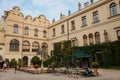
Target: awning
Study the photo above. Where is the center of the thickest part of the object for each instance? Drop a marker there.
(79, 53)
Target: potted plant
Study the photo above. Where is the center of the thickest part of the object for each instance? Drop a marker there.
(95, 65)
(36, 66)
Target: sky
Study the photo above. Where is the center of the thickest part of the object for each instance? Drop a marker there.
(50, 8)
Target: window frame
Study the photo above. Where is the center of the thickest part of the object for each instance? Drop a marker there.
(14, 45)
(26, 31)
(24, 46)
(84, 21)
(97, 38)
(15, 28)
(72, 25)
(85, 40)
(113, 9)
(54, 33)
(44, 34)
(36, 32)
(95, 16)
(118, 34)
(62, 29)
(35, 47)
(91, 39)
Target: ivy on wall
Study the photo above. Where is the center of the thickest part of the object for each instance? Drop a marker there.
(110, 53)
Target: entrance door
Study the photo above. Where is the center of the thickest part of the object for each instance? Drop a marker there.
(25, 61)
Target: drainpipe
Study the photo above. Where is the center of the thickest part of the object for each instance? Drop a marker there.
(67, 29)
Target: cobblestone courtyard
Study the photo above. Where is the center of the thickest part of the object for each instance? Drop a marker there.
(105, 74)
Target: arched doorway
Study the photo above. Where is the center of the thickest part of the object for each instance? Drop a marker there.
(25, 61)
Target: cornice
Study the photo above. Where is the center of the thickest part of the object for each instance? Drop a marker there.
(117, 27)
(80, 12)
(90, 27)
(24, 53)
(56, 37)
(25, 37)
(26, 23)
(96, 25)
(2, 44)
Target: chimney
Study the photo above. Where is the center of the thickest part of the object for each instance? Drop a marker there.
(86, 4)
(61, 15)
(79, 6)
(69, 12)
(53, 20)
(92, 1)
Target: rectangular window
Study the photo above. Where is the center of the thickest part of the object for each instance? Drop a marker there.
(72, 25)
(36, 33)
(62, 29)
(25, 32)
(54, 32)
(95, 16)
(15, 30)
(84, 21)
(118, 34)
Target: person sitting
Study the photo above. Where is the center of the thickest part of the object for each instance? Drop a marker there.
(89, 72)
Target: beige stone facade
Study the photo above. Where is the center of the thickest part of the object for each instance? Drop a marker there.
(95, 23)
(24, 36)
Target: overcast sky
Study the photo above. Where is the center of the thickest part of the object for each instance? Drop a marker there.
(50, 8)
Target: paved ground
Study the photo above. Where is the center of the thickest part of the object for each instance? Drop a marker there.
(105, 74)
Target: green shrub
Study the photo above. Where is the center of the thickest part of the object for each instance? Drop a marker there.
(7, 60)
(36, 60)
(19, 62)
(50, 61)
(95, 65)
(13, 63)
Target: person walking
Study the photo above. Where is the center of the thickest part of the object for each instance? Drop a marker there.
(15, 68)
(4, 66)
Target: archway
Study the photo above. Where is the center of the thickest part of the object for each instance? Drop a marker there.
(25, 61)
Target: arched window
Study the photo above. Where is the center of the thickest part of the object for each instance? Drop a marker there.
(26, 46)
(15, 28)
(85, 40)
(36, 32)
(91, 41)
(26, 31)
(44, 34)
(97, 38)
(113, 9)
(74, 42)
(35, 47)
(14, 45)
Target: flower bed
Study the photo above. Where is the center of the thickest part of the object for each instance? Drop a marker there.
(32, 70)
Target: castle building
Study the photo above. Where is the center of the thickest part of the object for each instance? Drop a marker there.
(23, 37)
